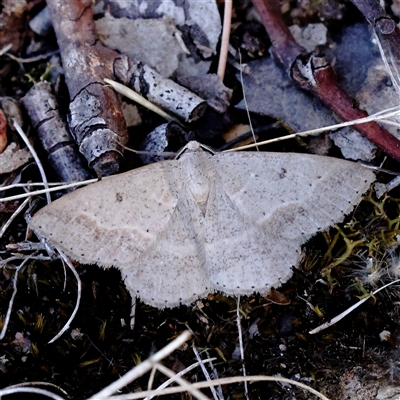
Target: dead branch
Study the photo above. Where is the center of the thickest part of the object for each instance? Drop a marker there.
(96, 120)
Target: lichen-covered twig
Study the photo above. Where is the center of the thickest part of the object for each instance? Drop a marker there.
(42, 107)
(161, 91)
(315, 74)
(96, 120)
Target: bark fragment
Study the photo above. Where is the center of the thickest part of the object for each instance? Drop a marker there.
(169, 95)
(63, 154)
(165, 138)
(162, 92)
(86, 64)
(41, 23)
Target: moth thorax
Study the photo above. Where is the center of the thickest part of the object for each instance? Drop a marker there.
(198, 177)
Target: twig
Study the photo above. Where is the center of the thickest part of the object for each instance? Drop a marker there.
(5, 49)
(384, 26)
(95, 119)
(315, 74)
(29, 184)
(32, 59)
(20, 257)
(151, 378)
(63, 154)
(284, 48)
(226, 30)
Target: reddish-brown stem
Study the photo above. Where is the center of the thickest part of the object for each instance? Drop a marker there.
(284, 48)
(343, 105)
(315, 74)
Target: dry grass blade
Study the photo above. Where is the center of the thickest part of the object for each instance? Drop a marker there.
(179, 374)
(15, 214)
(222, 381)
(8, 391)
(60, 186)
(380, 116)
(142, 368)
(216, 395)
(131, 94)
(71, 267)
(185, 385)
(350, 309)
(225, 39)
